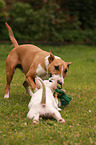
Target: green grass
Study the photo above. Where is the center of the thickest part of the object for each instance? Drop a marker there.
(80, 114)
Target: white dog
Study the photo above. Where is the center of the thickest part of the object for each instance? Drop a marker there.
(43, 102)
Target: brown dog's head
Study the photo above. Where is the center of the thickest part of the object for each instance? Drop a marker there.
(57, 66)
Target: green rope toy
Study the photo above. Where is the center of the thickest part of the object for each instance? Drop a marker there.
(64, 99)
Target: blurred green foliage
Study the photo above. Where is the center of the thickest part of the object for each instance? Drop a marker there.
(66, 21)
(3, 17)
(2, 4)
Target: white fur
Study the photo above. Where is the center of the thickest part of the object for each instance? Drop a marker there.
(57, 57)
(29, 91)
(57, 77)
(51, 109)
(7, 95)
(47, 62)
(41, 72)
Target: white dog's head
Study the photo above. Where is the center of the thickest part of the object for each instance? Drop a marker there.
(52, 85)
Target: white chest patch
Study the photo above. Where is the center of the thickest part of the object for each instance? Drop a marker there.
(46, 62)
(40, 70)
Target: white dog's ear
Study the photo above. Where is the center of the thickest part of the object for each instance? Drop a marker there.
(54, 85)
(38, 83)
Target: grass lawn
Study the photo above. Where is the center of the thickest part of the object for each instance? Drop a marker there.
(80, 114)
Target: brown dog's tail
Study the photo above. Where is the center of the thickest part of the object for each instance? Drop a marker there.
(11, 35)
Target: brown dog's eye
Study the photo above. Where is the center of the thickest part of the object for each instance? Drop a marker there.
(57, 67)
(65, 71)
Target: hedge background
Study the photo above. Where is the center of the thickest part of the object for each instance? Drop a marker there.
(58, 21)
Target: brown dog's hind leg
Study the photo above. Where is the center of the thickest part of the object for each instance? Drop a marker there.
(10, 68)
(9, 79)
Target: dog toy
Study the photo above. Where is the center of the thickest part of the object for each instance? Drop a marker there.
(64, 99)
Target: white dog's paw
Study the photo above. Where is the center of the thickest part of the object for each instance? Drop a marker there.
(59, 109)
(7, 95)
(61, 120)
(35, 122)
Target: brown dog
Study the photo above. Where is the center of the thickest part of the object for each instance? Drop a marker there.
(32, 61)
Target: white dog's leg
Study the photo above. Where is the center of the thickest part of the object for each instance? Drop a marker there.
(29, 91)
(36, 118)
(30, 103)
(55, 105)
(56, 101)
(57, 116)
(33, 115)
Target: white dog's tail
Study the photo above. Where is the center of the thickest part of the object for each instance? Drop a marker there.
(11, 35)
(43, 100)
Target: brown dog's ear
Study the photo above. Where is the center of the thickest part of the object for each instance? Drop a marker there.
(68, 63)
(51, 57)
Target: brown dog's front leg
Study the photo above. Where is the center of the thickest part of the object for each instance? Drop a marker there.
(31, 83)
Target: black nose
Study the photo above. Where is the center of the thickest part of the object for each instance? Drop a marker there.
(65, 71)
(50, 75)
(59, 82)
